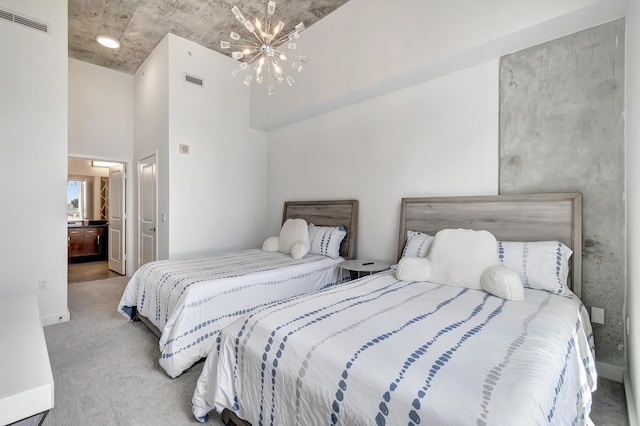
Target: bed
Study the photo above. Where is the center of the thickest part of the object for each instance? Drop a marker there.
(383, 351)
(185, 302)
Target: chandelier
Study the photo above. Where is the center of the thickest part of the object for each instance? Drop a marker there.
(262, 56)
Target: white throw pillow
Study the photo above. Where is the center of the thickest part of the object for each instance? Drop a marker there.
(459, 256)
(413, 269)
(300, 249)
(417, 245)
(270, 244)
(542, 265)
(326, 240)
(502, 282)
(292, 231)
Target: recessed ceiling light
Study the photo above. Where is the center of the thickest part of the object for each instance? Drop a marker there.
(107, 41)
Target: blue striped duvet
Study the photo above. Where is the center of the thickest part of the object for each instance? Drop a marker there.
(190, 300)
(379, 351)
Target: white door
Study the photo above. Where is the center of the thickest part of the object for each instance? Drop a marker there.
(147, 208)
(117, 216)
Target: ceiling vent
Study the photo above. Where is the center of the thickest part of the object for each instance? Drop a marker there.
(194, 79)
(7, 15)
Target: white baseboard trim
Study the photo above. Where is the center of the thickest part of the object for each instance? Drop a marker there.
(56, 319)
(631, 406)
(610, 372)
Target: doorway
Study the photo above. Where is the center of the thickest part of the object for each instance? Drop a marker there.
(90, 219)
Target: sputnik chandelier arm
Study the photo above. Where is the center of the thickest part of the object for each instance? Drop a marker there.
(265, 51)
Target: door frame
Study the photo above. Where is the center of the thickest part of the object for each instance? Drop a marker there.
(127, 202)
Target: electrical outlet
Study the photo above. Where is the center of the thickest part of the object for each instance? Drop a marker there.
(43, 285)
(597, 315)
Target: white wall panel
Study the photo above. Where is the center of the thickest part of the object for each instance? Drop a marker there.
(435, 138)
(218, 191)
(33, 148)
(370, 47)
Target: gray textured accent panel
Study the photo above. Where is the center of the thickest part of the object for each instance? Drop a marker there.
(562, 130)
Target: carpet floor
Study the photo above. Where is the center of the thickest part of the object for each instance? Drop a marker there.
(105, 368)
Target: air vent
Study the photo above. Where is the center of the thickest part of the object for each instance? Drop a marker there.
(24, 21)
(193, 79)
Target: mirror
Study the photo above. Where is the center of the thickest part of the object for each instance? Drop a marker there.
(87, 191)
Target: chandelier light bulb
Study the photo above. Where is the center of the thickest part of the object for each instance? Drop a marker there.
(262, 46)
(278, 28)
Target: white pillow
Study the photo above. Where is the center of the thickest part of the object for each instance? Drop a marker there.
(300, 249)
(459, 256)
(413, 269)
(326, 240)
(502, 282)
(292, 231)
(542, 265)
(270, 244)
(417, 245)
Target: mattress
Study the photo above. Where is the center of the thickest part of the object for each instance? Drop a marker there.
(387, 352)
(190, 300)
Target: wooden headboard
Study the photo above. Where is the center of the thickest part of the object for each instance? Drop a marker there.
(328, 213)
(527, 217)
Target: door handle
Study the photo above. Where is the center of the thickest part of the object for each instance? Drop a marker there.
(153, 229)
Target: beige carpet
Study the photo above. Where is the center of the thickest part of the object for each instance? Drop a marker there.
(105, 368)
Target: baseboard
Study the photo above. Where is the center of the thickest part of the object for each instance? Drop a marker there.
(56, 319)
(631, 406)
(610, 372)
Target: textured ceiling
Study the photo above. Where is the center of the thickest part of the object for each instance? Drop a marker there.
(140, 24)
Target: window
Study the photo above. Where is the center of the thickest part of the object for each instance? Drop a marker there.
(75, 200)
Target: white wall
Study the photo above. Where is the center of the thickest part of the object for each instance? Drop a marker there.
(33, 119)
(101, 125)
(219, 190)
(214, 198)
(151, 134)
(439, 137)
(632, 378)
(371, 47)
(100, 112)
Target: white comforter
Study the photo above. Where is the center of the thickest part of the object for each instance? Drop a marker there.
(387, 352)
(190, 300)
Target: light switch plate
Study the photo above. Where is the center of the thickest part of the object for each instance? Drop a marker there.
(597, 315)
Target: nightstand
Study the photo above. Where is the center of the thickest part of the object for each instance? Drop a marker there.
(359, 267)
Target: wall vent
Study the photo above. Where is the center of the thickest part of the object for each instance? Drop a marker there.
(194, 80)
(8, 15)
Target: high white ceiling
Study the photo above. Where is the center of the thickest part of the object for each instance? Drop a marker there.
(140, 24)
